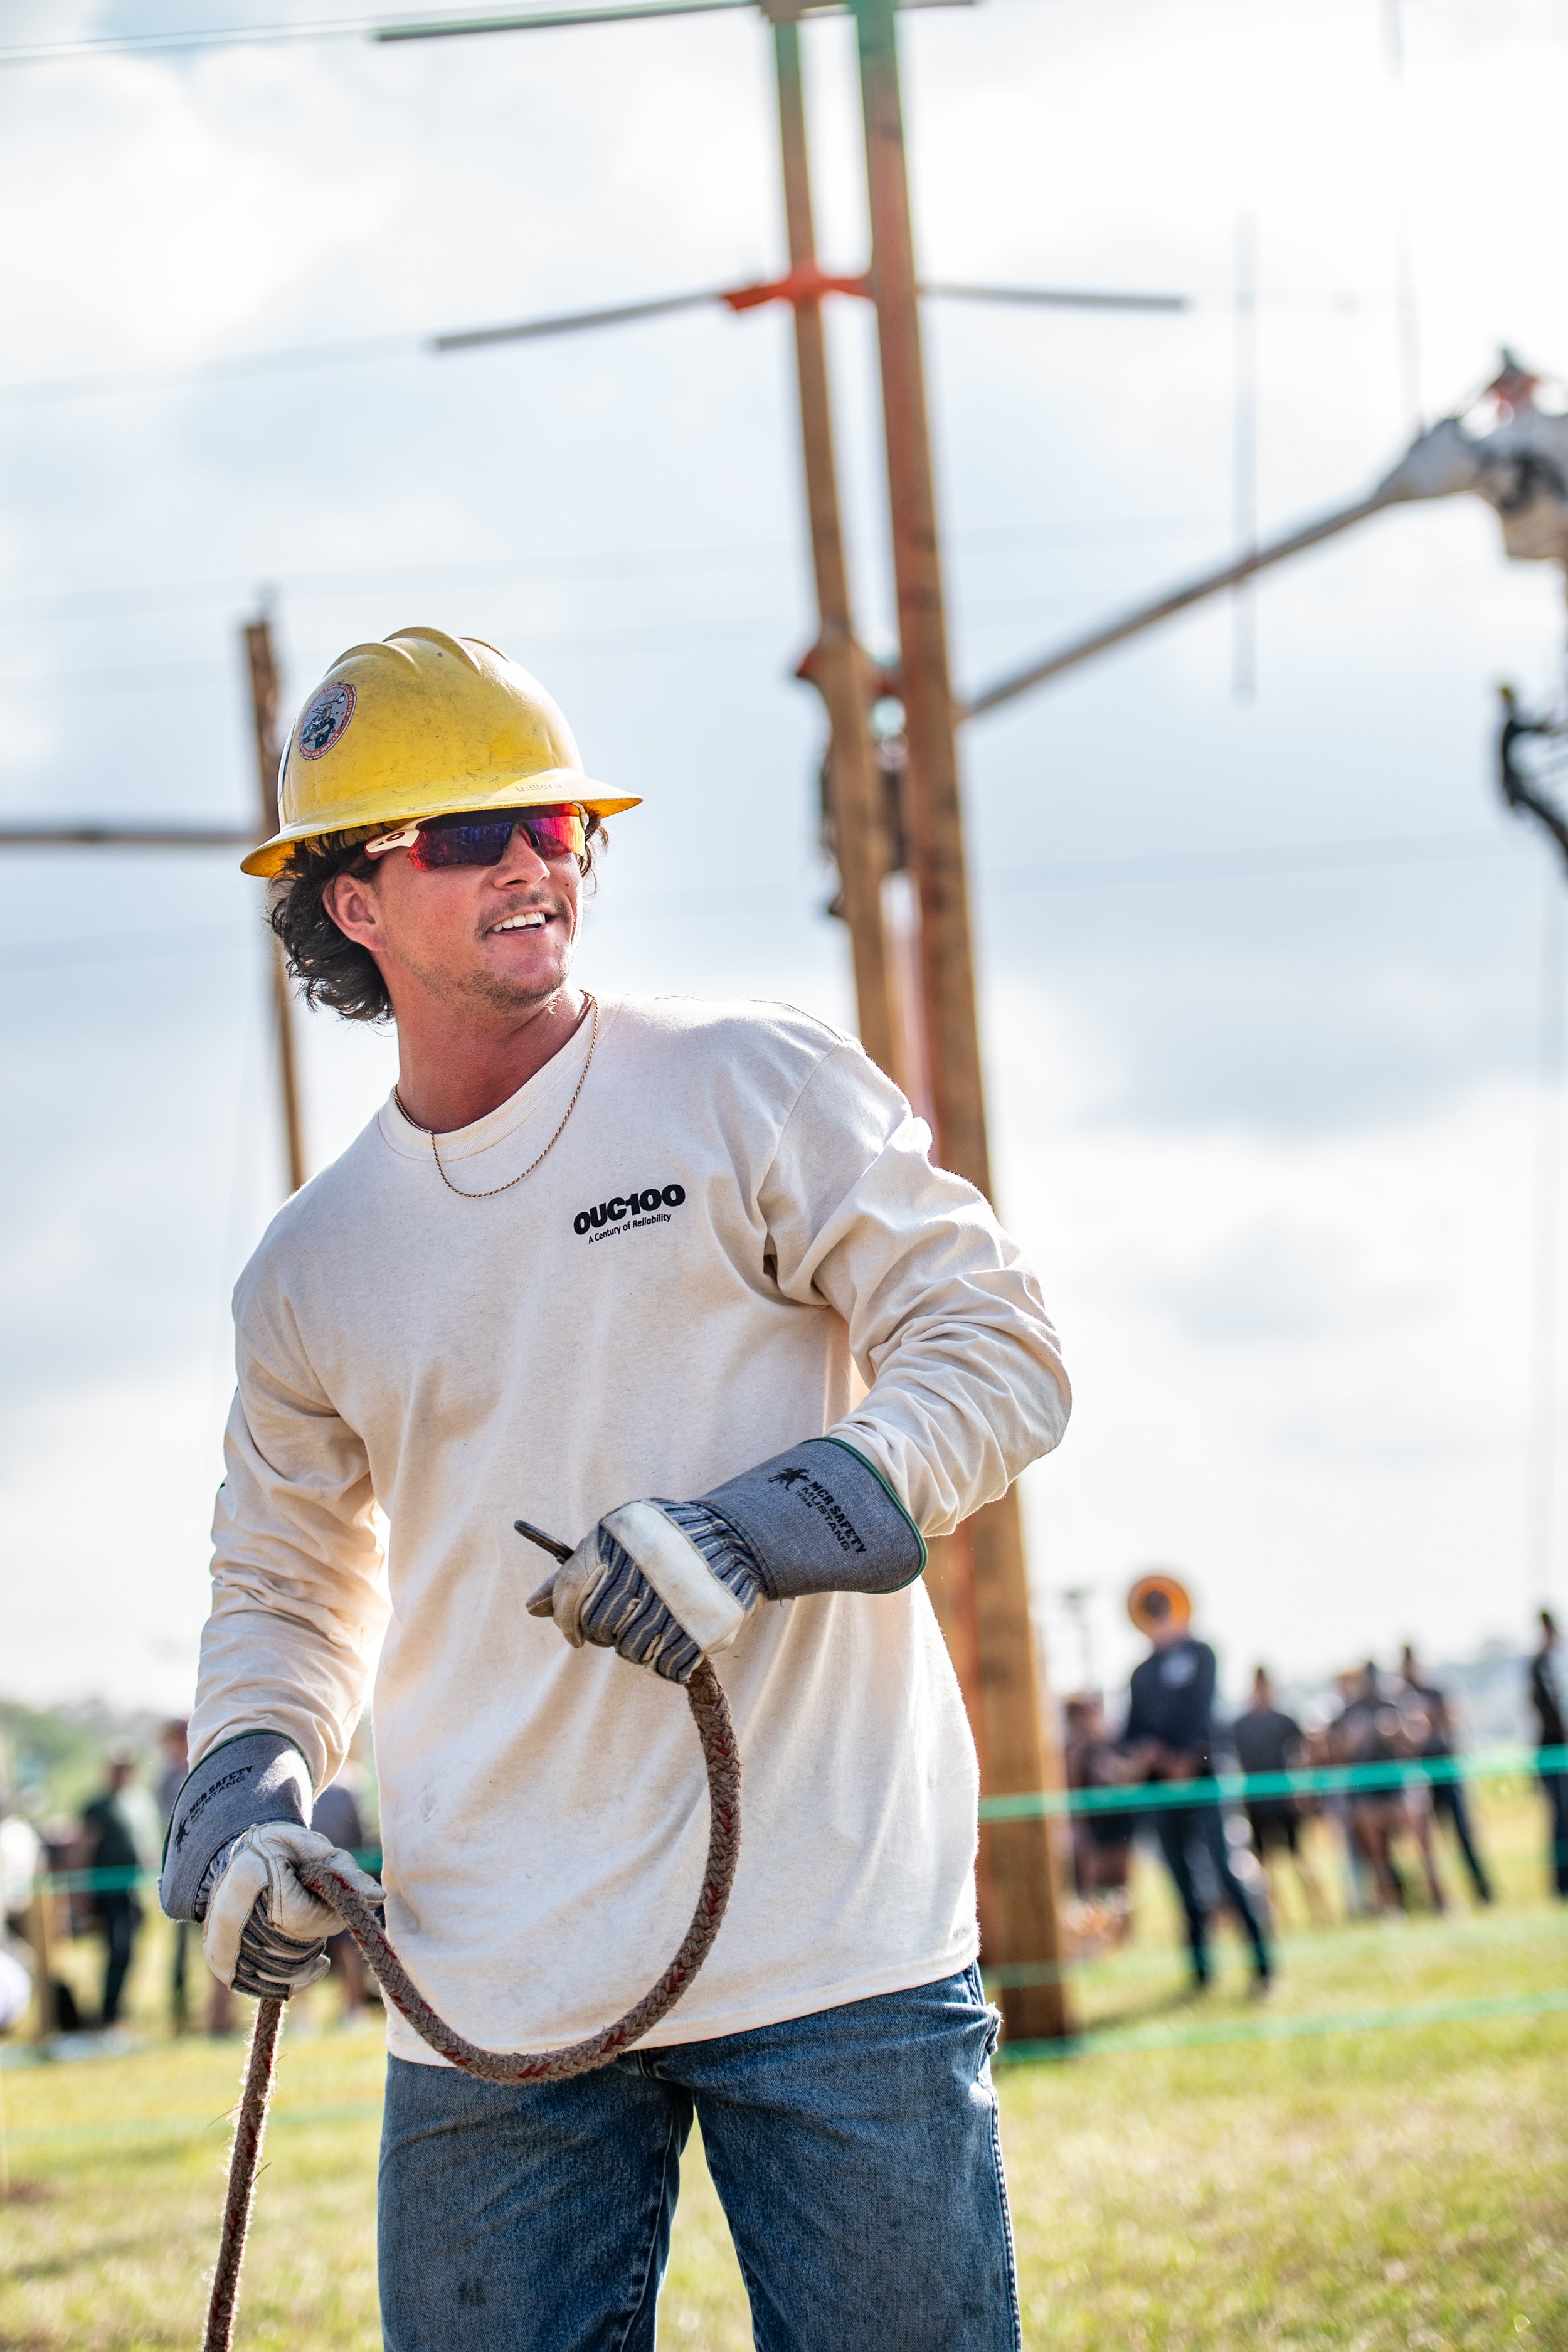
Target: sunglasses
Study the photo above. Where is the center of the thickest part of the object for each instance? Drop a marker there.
(482, 840)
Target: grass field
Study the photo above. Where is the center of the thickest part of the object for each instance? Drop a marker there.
(1378, 2160)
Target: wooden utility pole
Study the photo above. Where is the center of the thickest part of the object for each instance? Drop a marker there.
(1020, 1866)
(264, 699)
(835, 665)
(41, 1936)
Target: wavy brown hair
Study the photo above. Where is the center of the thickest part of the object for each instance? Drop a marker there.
(332, 968)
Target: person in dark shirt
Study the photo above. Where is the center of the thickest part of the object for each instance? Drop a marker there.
(1169, 1735)
(110, 1847)
(1551, 1704)
(1268, 1740)
(1449, 1803)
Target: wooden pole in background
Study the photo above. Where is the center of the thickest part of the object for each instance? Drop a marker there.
(41, 1936)
(836, 667)
(264, 701)
(1021, 1861)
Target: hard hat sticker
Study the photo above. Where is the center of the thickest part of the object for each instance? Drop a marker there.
(325, 720)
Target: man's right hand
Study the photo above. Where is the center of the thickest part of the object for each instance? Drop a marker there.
(237, 1830)
(263, 1930)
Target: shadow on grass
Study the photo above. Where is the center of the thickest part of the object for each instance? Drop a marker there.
(1146, 2012)
(59, 2266)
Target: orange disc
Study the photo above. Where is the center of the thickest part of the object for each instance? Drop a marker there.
(1155, 1590)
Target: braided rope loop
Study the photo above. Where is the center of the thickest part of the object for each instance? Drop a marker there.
(711, 1712)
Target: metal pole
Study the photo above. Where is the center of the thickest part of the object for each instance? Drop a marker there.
(835, 665)
(1019, 1888)
(264, 701)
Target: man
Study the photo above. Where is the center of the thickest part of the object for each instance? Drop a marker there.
(1170, 1733)
(1431, 1725)
(1267, 1740)
(610, 1266)
(109, 1852)
(1546, 1697)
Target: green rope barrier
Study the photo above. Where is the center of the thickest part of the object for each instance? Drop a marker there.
(1125, 2039)
(1139, 1797)
(121, 1882)
(1253, 1787)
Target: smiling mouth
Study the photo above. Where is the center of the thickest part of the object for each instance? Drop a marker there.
(532, 919)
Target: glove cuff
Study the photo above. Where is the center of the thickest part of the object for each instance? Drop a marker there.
(258, 1777)
(820, 1519)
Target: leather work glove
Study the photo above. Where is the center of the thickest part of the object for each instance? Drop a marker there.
(239, 1823)
(263, 1930)
(667, 1584)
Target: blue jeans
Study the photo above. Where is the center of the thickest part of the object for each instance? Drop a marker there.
(855, 2152)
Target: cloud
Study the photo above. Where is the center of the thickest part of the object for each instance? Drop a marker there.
(1269, 1134)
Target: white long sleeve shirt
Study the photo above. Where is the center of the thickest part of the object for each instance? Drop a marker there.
(416, 1370)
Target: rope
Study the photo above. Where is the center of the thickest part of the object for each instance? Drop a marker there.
(711, 1712)
(249, 2127)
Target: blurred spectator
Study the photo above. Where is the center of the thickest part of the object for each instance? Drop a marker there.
(15, 1983)
(1360, 1889)
(1448, 1796)
(337, 1816)
(1370, 1732)
(1101, 1840)
(19, 1854)
(110, 1847)
(172, 1745)
(1268, 1740)
(1169, 1736)
(1547, 1697)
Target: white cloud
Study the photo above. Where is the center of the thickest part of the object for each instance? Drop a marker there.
(1269, 1137)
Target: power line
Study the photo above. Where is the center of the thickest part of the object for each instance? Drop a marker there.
(59, 955)
(388, 29)
(1243, 865)
(38, 392)
(553, 570)
(350, 28)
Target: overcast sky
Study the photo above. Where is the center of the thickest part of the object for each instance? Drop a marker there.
(1261, 981)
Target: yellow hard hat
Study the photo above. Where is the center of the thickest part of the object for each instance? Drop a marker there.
(423, 725)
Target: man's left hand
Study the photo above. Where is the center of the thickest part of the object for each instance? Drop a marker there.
(668, 1583)
(663, 1583)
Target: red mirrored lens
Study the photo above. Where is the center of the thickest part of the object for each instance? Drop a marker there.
(482, 841)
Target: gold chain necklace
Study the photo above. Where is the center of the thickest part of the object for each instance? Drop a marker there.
(490, 1195)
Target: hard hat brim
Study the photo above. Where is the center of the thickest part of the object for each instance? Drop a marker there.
(385, 811)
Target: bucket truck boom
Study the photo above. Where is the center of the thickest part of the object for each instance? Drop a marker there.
(1507, 450)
